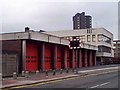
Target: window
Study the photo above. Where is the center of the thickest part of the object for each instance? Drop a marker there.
(104, 49)
(99, 38)
(88, 38)
(93, 38)
(103, 38)
(89, 30)
(82, 38)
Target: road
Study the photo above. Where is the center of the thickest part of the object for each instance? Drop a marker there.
(106, 80)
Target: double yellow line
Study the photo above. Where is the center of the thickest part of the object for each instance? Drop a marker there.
(37, 84)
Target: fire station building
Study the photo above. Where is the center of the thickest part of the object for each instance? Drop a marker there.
(41, 51)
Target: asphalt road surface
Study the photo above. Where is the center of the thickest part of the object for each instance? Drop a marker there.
(107, 80)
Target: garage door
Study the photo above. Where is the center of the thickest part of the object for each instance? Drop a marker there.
(47, 57)
(31, 57)
(59, 58)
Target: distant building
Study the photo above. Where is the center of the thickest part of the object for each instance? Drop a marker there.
(116, 51)
(82, 21)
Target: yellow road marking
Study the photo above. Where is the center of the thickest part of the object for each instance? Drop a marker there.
(40, 83)
(23, 86)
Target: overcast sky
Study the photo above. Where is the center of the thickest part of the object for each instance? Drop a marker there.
(49, 16)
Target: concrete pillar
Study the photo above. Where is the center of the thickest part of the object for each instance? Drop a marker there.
(42, 55)
(65, 57)
(95, 58)
(55, 56)
(80, 58)
(73, 52)
(86, 58)
(91, 58)
(24, 55)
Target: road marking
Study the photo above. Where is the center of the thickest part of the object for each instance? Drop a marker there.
(97, 69)
(100, 85)
(43, 83)
(58, 80)
(97, 74)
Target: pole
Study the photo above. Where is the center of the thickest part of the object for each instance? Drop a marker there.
(76, 61)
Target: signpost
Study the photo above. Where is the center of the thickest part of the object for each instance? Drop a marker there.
(75, 43)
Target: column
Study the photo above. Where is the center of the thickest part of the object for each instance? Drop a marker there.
(86, 58)
(91, 58)
(42, 55)
(73, 58)
(94, 58)
(24, 55)
(80, 58)
(55, 56)
(65, 57)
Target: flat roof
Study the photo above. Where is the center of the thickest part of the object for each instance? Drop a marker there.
(40, 36)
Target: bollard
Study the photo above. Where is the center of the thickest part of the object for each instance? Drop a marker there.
(14, 75)
(46, 73)
(26, 74)
(40, 70)
(54, 72)
(37, 72)
(60, 71)
(66, 70)
(1, 76)
(23, 73)
(73, 70)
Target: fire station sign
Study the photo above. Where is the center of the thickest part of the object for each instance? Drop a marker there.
(75, 43)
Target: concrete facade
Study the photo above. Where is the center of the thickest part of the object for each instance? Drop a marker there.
(99, 37)
(41, 51)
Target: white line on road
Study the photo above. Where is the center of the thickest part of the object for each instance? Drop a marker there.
(97, 69)
(100, 85)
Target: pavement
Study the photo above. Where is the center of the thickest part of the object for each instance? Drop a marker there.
(36, 78)
(41, 77)
(87, 82)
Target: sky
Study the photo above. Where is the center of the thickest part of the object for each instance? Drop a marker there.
(50, 15)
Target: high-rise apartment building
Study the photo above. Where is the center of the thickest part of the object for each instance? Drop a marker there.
(82, 21)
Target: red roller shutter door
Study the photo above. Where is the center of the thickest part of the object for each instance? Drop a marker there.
(47, 57)
(31, 57)
(59, 58)
(68, 58)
